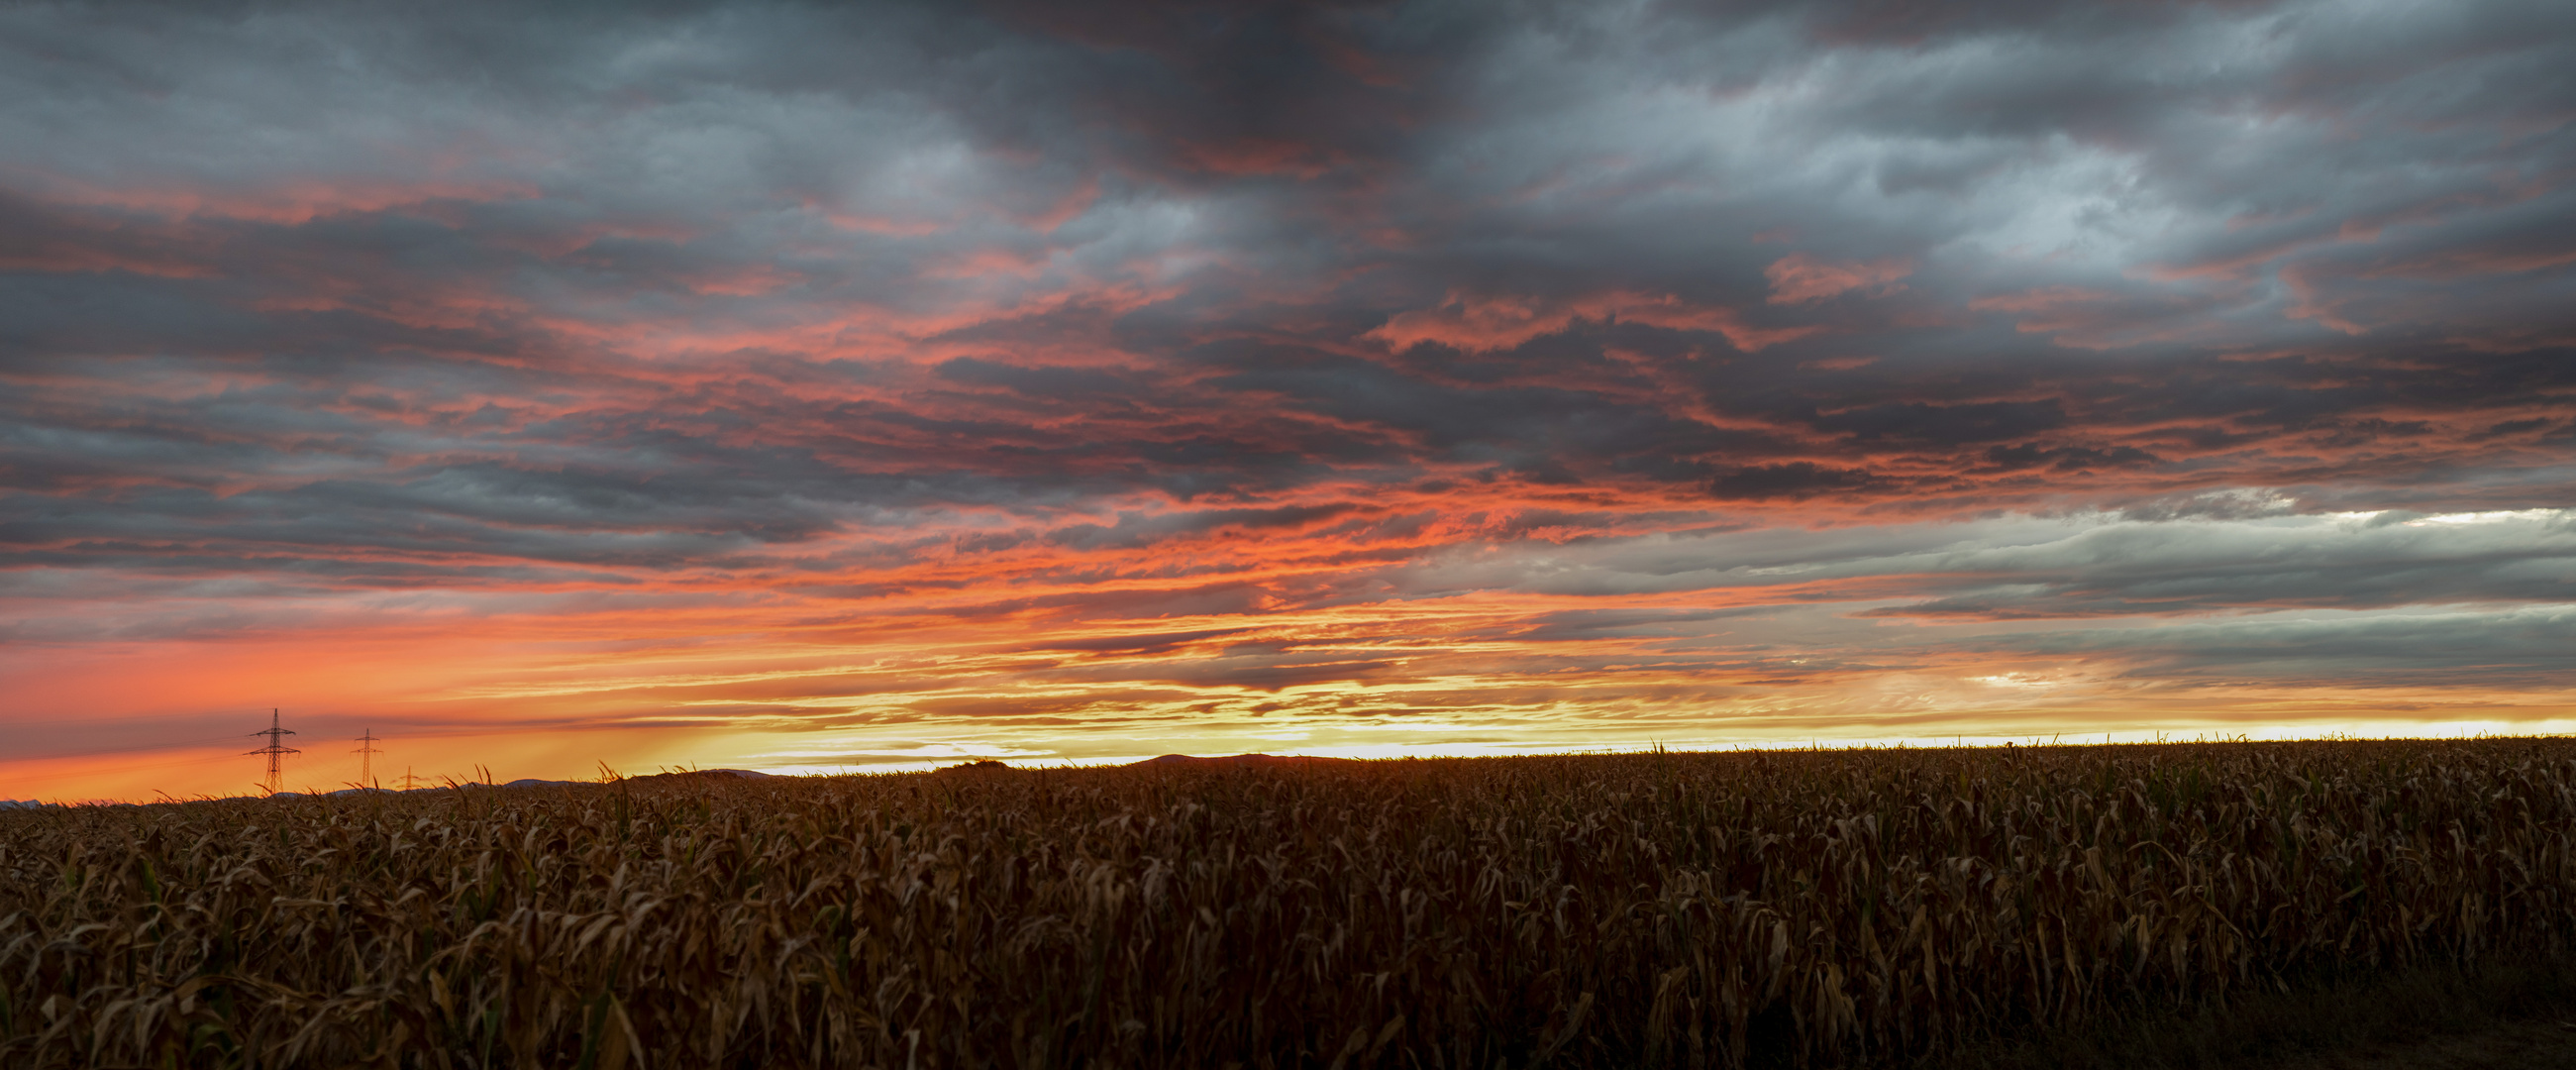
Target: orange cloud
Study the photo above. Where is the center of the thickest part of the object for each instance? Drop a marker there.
(1486, 324)
(1798, 278)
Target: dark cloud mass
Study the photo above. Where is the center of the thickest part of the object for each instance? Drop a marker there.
(1534, 374)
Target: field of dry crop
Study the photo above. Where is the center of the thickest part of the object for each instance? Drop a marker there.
(1667, 909)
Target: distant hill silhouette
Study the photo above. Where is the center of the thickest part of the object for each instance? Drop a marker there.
(1192, 761)
(1170, 761)
(706, 774)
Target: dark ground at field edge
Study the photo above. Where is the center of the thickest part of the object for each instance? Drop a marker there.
(2527, 1045)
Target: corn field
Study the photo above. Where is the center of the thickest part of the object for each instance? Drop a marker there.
(1815, 908)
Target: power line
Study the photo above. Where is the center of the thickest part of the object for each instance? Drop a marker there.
(276, 736)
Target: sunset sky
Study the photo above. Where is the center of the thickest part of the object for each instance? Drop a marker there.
(816, 387)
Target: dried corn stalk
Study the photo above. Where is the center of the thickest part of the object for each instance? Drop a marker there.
(1660, 909)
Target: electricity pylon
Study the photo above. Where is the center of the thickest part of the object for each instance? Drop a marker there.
(366, 753)
(274, 750)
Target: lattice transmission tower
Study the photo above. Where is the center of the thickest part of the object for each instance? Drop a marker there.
(366, 752)
(275, 750)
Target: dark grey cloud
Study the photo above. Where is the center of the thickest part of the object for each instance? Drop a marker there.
(1797, 479)
(648, 158)
(2235, 553)
(2519, 649)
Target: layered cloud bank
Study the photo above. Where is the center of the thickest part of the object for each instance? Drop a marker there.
(820, 387)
